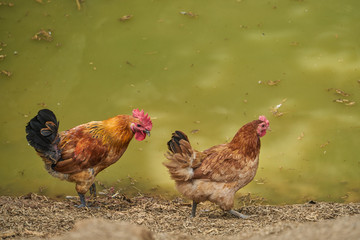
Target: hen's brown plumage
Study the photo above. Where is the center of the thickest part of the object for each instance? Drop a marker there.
(80, 153)
(217, 173)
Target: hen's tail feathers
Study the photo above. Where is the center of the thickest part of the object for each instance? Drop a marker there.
(42, 134)
(182, 157)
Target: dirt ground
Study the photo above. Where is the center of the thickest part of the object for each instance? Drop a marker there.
(145, 217)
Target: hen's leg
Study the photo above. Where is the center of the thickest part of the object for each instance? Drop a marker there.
(93, 190)
(237, 214)
(193, 210)
(82, 201)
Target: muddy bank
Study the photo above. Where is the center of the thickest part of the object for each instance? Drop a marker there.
(35, 216)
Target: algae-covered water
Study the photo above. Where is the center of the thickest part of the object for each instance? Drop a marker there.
(204, 67)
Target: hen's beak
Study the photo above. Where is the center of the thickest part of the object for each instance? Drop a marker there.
(147, 132)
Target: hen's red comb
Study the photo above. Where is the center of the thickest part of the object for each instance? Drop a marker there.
(263, 118)
(144, 118)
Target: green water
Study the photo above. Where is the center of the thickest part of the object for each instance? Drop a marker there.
(207, 72)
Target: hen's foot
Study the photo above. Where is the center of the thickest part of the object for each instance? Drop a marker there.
(239, 215)
(80, 206)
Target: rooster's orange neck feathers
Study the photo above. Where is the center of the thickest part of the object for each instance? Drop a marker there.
(114, 132)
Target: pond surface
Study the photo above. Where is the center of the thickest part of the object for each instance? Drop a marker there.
(201, 68)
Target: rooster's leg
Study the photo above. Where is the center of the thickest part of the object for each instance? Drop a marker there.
(82, 201)
(93, 190)
(193, 210)
(237, 214)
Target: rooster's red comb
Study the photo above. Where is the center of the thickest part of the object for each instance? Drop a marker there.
(263, 118)
(144, 118)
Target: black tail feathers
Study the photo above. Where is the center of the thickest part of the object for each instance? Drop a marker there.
(42, 134)
(174, 143)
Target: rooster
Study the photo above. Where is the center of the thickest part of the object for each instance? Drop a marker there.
(80, 153)
(217, 173)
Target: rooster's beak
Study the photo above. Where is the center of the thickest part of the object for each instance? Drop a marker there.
(147, 132)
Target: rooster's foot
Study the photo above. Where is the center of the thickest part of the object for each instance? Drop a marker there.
(82, 201)
(93, 190)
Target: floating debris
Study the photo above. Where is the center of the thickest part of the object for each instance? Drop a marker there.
(130, 64)
(6, 73)
(270, 82)
(2, 56)
(125, 18)
(324, 144)
(345, 101)
(275, 110)
(342, 93)
(45, 35)
(273, 83)
(78, 4)
(195, 131)
(260, 181)
(42, 104)
(301, 136)
(6, 4)
(350, 103)
(189, 13)
(294, 43)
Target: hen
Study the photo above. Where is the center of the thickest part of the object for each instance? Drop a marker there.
(217, 173)
(80, 153)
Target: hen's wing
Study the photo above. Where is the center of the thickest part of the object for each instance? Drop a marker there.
(80, 150)
(220, 164)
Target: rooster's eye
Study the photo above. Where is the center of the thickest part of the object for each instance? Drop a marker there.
(262, 125)
(138, 125)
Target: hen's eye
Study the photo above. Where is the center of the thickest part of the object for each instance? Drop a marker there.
(262, 125)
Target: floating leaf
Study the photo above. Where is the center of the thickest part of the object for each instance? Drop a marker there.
(125, 18)
(275, 110)
(45, 35)
(301, 136)
(344, 100)
(190, 14)
(273, 83)
(342, 93)
(6, 73)
(350, 103)
(195, 131)
(324, 144)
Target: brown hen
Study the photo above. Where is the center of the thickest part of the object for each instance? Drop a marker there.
(217, 173)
